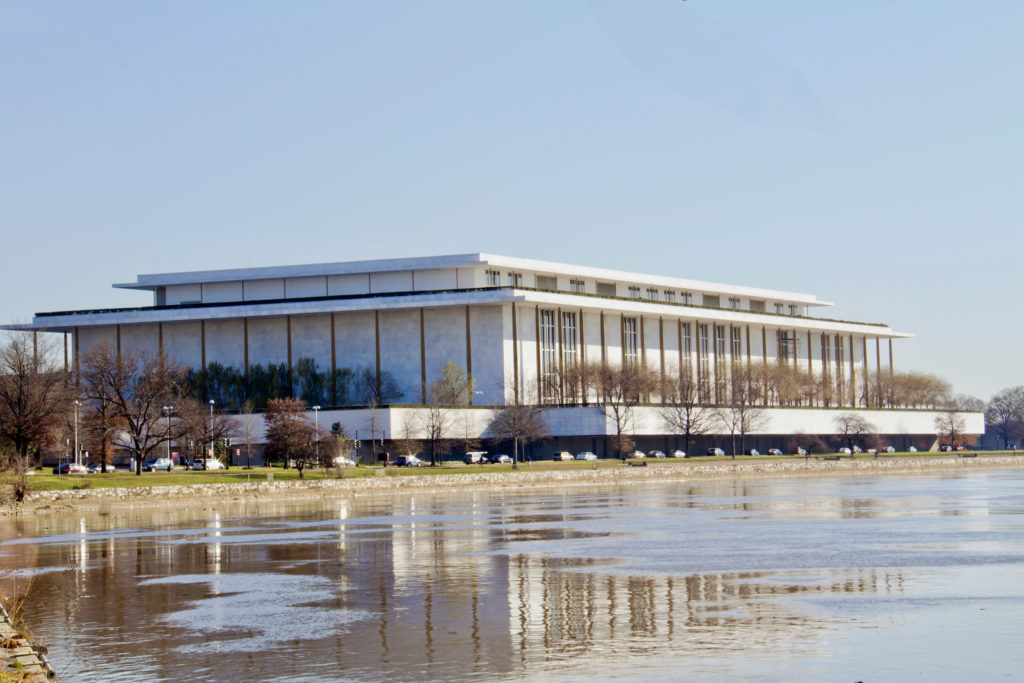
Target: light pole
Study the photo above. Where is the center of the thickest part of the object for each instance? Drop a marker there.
(316, 432)
(210, 433)
(77, 404)
(167, 411)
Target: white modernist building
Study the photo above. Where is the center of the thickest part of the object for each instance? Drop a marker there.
(512, 324)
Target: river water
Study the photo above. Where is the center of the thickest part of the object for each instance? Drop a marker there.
(844, 579)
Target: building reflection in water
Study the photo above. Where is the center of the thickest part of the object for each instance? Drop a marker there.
(445, 585)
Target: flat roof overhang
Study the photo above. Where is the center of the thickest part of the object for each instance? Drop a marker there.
(67, 321)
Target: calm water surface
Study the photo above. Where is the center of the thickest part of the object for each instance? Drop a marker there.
(896, 578)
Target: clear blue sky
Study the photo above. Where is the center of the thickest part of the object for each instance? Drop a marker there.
(869, 153)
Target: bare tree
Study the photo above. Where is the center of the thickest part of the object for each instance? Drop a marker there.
(620, 390)
(519, 422)
(408, 441)
(853, 428)
(1005, 415)
(741, 414)
(289, 432)
(198, 426)
(469, 438)
(34, 398)
(340, 449)
(452, 389)
(133, 386)
(98, 427)
(951, 422)
(683, 413)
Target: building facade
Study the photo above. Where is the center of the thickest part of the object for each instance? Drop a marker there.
(513, 325)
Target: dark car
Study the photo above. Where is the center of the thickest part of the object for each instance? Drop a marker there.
(154, 464)
(408, 461)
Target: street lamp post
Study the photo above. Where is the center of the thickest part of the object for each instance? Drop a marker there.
(316, 432)
(211, 429)
(167, 411)
(77, 404)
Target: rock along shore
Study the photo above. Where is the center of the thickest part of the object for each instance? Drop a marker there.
(19, 658)
(523, 478)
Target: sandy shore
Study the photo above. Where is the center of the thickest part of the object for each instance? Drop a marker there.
(522, 479)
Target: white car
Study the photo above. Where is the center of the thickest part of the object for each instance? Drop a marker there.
(562, 455)
(207, 464)
(638, 454)
(912, 449)
(342, 461)
(676, 454)
(774, 451)
(889, 449)
(586, 455)
(845, 451)
(656, 454)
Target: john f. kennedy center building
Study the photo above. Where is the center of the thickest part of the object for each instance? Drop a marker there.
(515, 326)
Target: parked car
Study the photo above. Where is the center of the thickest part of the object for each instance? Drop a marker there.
(946, 449)
(500, 459)
(889, 449)
(845, 451)
(97, 468)
(70, 468)
(774, 451)
(753, 451)
(408, 461)
(207, 464)
(562, 455)
(856, 449)
(799, 451)
(586, 455)
(475, 457)
(656, 454)
(342, 461)
(676, 454)
(638, 454)
(912, 449)
(154, 464)
(715, 451)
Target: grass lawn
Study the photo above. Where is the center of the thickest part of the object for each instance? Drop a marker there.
(43, 480)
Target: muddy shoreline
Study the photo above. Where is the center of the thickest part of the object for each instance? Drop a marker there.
(522, 479)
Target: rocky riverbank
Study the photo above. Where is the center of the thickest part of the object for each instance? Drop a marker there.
(19, 659)
(523, 478)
